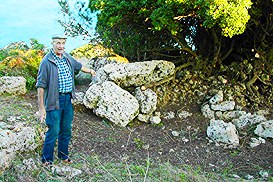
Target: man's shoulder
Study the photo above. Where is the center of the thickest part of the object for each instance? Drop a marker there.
(47, 59)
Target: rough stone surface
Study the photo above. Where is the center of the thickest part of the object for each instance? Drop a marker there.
(217, 98)
(135, 74)
(16, 139)
(78, 100)
(248, 120)
(12, 85)
(229, 115)
(207, 112)
(223, 106)
(110, 101)
(254, 142)
(223, 132)
(265, 129)
(147, 100)
(155, 119)
(144, 117)
(183, 114)
(169, 115)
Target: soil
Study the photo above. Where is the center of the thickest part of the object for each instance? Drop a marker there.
(93, 135)
(138, 141)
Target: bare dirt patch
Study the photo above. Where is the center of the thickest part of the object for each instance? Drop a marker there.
(94, 135)
(139, 141)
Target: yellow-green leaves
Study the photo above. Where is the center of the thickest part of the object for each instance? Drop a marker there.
(230, 16)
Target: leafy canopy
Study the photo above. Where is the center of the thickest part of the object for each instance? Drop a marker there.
(164, 24)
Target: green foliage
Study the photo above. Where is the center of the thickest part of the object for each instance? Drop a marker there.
(230, 16)
(35, 45)
(18, 60)
(90, 51)
(157, 28)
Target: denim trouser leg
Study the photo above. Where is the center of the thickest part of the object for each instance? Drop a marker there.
(65, 130)
(59, 126)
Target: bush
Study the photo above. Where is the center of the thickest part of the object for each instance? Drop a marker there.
(15, 61)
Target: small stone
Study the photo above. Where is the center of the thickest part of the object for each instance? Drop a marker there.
(185, 140)
(263, 174)
(254, 142)
(171, 150)
(236, 176)
(155, 119)
(175, 133)
(169, 115)
(249, 177)
(143, 88)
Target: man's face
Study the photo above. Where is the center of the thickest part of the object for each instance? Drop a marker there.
(58, 46)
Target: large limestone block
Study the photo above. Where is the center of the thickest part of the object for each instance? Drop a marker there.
(110, 101)
(6, 159)
(223, 132)
(265, 129)
(18, 139)
(147, 100)
(136, 74)
(223, 106)
(248, 120)
(12, 85)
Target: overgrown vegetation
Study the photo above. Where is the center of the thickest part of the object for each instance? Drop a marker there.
(18, 59)
(216, 37)
(96, 170)
(97, 50)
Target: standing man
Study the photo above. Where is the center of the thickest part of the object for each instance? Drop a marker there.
(56, 87)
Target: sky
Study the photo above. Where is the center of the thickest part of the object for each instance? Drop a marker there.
(21, 20)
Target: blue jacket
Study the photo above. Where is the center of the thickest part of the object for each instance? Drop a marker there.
(48, 79)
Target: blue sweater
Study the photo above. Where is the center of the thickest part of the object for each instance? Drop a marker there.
(48, 79)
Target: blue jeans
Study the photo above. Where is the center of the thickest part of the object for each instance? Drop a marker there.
(59, 123)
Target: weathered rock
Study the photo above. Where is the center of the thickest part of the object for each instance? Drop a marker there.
(229, 115)
(264, 174)
(110, 101)
(223, 132)
(155, 119)
(183, 114)
(6, 159)
(169, 115)
(147, 100)
(254, 142)
(26, 165)
(67, 171)
(18, 139)
(82, 78)
(78, 100)
(248, 120)
(217, 98)
(144, 117)
(97, 63)
(223, 106)
(265, 129)
(135, 74)
(175, 133)
(12, 85)
(207, 112)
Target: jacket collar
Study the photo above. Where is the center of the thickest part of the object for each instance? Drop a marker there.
(51, 58)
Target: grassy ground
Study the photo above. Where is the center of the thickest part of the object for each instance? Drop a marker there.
(141, 152)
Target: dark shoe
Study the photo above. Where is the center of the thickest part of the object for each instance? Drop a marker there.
(67, 161)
